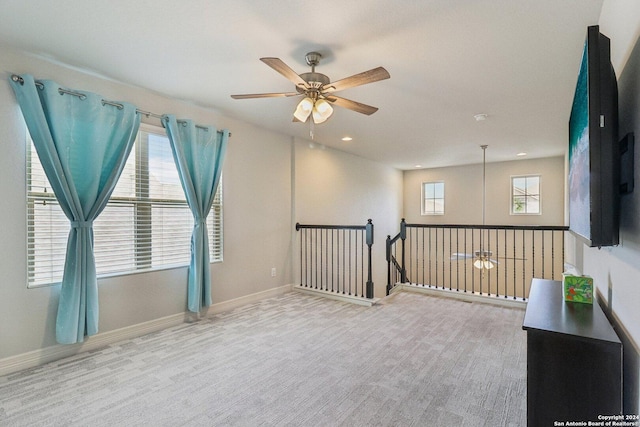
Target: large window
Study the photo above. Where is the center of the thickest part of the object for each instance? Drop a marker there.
(525, 195)
(146, 224)
(433, 198)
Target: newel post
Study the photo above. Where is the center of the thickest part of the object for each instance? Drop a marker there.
(388, 255)
(403, 237)
(369, 229)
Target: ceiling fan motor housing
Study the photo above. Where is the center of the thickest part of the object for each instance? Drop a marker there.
(315, 80)
(483, 254)
(313, 58)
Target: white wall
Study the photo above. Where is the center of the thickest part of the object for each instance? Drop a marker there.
(616, 270)
(257, 218)
(463, 192)
(619, 21)
(333, 187)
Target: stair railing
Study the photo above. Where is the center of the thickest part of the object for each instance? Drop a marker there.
(496, 260)
(332, 258)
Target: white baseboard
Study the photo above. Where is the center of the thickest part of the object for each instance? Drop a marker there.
(336, 296)
(41, 356)
(465, 296)
(231, 304)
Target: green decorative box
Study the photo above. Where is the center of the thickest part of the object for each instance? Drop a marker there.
(578, 288)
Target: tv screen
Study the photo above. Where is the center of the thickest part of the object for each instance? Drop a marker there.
(594, 174)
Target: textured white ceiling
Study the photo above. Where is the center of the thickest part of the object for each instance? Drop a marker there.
(514, 60)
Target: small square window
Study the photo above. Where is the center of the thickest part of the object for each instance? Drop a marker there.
(433, 198)
(525, 195)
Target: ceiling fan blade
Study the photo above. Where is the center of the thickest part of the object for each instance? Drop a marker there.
(460, 256)
(352, 105)
(514, 258)
(373, 75)
(265, 95)
(278, 65)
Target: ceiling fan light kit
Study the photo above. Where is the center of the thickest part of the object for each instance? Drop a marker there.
(321, 111)
(480, 264)
(303, 109)
(318, 90)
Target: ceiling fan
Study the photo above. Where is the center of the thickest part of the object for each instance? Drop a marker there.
(318, 91)
(482, 258)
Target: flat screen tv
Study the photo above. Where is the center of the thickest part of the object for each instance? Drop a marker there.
(594, 154)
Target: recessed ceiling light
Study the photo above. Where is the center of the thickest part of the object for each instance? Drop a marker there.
(521, 154)
(480, 117)
(347, 138)
(418, 166)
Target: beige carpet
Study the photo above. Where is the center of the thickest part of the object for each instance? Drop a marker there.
(294, 360)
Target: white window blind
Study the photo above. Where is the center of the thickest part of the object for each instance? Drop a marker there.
(145, 225)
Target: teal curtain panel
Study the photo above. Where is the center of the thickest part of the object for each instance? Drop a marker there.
(83, 144)
(198, 152)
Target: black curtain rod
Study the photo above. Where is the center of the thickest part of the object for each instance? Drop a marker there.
(16, 78)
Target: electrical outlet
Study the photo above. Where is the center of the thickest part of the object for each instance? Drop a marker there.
(273, 272)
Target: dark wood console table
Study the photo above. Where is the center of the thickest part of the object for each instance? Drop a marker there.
(574, 359)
